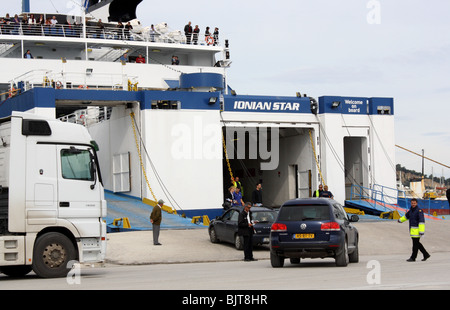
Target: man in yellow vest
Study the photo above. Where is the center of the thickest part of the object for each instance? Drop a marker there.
(416, 230)
(238, 184)
(319, 191)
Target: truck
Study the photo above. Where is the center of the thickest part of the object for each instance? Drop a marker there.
(51, 197)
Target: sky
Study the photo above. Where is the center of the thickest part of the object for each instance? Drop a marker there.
(367, 48)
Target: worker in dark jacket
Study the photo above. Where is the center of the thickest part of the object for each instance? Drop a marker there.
(416, 229)
(155, 219)
(246, 230)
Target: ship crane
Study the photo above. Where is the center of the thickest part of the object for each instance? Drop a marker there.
(423, 157)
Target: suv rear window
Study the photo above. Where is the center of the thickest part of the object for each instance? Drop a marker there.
(305, 213)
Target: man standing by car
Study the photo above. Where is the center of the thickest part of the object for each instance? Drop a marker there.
(416, 229)
(246, 230)
(155, 219)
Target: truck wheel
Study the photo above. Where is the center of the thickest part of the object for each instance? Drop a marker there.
(15, 271)
(51, 253)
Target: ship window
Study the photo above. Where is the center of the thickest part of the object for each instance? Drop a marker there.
(166, 104)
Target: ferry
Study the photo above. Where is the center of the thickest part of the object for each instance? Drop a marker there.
(168, 124)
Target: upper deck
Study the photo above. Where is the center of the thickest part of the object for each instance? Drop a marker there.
(84, 41)
(95, 53)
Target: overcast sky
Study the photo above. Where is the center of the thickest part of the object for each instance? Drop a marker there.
(369, 48)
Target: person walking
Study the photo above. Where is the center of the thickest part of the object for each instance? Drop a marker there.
(246, 230)
(416, 230)
(155, 219)
(447, 193)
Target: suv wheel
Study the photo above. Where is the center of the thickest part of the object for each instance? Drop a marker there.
(354, 257)
(276, 261)
(342, 256)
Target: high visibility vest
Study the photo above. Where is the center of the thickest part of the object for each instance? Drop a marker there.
(416, 222)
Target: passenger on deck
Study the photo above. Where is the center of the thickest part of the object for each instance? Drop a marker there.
(175, 60)
(53, 21)
(124, 58)
(28, 55)
(216, 36)
(140, 59)
(41, 20)
(196, 33)
(100, 28)
(120, 27)
(188, 32)
(152, 33)
(128, 28)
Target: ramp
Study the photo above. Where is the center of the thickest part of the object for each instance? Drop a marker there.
(138, 213)
(373, 207)
(373, 201)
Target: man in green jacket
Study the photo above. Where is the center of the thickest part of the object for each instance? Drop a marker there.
(155, 219)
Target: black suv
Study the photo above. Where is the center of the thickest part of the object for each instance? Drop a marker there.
(313, 228)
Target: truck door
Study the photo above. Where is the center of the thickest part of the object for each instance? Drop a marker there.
(79, 193)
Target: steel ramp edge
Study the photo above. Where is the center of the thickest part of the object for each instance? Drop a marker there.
(138, 213)
(373, 207)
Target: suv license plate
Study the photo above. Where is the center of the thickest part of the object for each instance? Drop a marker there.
(304, 236)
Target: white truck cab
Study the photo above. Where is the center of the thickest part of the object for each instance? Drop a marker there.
(51, 197)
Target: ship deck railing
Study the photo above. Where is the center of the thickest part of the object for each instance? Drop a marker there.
(72, 80)
(106, 33)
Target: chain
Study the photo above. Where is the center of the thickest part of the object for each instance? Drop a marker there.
(226, 156)
(315, 157)
(140, 157)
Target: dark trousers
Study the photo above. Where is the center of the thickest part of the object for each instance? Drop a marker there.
(248, 246)
(416, 247)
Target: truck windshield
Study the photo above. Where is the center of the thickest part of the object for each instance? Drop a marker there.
(77, 164)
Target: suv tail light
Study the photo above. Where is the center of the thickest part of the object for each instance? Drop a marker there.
(278, 227)
(330, 226)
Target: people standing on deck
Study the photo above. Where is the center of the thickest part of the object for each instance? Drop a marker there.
(195, 35)
(120, 27)
(28, 55)
(54, 21)
(140, 59)
(128, 28)
(188, 32)
(216, 36)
